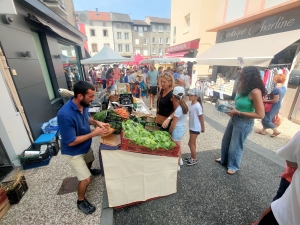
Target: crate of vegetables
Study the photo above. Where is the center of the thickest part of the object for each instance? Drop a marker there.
(135, 138)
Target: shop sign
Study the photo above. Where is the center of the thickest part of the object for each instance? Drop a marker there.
(183, 47)
(282, 22)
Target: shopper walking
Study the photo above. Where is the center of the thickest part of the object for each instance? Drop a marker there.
(117, 74)
(275, 100)
(110, 82)
(249, 105)
(177, 128)
(103, 77)
(187, 80)
(76, 137)
(152, 79)
(196, 124)
(142, 85)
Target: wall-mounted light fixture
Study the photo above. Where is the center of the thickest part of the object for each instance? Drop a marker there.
(57, 56)
(27, 54)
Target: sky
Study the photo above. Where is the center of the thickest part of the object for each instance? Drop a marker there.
(137, 9)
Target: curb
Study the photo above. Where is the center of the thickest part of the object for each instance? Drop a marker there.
(107, 213)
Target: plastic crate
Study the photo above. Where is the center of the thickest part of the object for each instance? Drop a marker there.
(35, 158)
(51, 140)
(15, 194)
(130, 146)
(37, 164)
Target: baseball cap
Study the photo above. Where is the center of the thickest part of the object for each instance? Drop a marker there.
(194, 92)
(178, 91)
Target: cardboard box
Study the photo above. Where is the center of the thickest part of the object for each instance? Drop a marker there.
(4, 206)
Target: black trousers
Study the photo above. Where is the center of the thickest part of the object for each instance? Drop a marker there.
(268, 219)
(284, 184)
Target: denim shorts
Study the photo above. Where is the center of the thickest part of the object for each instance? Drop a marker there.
(178, 133)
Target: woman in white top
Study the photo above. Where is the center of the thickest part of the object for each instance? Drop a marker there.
(177, 128)
(286, 210)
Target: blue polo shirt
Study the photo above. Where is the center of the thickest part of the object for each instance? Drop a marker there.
(73, 123)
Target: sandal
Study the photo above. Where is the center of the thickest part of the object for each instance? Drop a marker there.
(230, 172)
(218, 160)
(259, 132)
(276, 134)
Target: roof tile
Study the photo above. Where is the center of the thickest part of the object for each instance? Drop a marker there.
(102, 16)
(140, 22)
(121, 17)
(159, 20)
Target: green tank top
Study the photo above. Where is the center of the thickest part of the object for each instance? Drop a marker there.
(244, 103)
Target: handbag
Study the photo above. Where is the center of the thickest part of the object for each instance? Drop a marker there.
(159, 119)
(144, 87)
(268, 106)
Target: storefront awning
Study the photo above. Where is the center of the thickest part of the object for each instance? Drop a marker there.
(257, 51)
(175, 55)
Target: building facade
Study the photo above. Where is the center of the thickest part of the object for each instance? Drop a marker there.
(141, 38)
(122, 33)
(98, 29)
(263, 33)
(160, 35)
(43, 52)
(188, 31)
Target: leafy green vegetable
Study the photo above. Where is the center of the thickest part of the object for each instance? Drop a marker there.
(140, 136)
(100, 116)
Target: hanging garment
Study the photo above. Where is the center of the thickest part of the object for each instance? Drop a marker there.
(266, 76)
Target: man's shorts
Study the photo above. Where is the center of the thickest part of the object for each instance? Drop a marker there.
(153, 90)
(78, 164)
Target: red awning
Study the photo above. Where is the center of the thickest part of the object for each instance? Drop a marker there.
(176, 55)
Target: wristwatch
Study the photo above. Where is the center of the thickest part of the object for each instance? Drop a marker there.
(169, 118)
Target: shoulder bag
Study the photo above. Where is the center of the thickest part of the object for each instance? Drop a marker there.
(268, 106)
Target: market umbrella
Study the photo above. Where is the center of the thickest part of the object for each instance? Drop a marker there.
(167, 60)
(106, 56)
(137, 59)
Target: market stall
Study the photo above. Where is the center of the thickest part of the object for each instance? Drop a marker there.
(139, 161)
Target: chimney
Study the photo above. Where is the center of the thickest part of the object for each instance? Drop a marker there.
(96, 9)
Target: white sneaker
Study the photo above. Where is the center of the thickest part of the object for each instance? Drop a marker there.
(181, 162)
(178, 168)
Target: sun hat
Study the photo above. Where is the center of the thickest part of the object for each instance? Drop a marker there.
(178, 91)
(194, 92)
(138, 73)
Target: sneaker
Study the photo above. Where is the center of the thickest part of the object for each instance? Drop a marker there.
(191, 162)
(178, 168)
(187, 159)
(180, 162)
(86, 207)
(95, 172)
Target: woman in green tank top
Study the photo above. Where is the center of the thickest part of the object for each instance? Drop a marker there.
(249, 105)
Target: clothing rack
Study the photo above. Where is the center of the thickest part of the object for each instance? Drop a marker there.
(283, 64)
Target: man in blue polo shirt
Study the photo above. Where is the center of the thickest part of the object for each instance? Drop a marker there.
(76, 137)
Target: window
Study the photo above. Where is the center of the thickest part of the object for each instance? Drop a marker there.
(153, 51)
(137, 41)
(118, 24)
(160, 28)
(187, 20)
(91, 23)
(104, 24)
(92, 32)
(94, 48)
(153, 40)
(160, 41)
(145, 28)
(119, 47)
(153, 28)
(145, 41)
(174, 31)
(167, 41)
(160, 51)
(235, 9)
(125, 25)
(127, 48)
(168, 28)
(105, 33)
(271, 3)
(126, 35)
(119, 35)
(135, 28)
(140, 31)
(73, 52)
(145, 52)
(137, 51)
